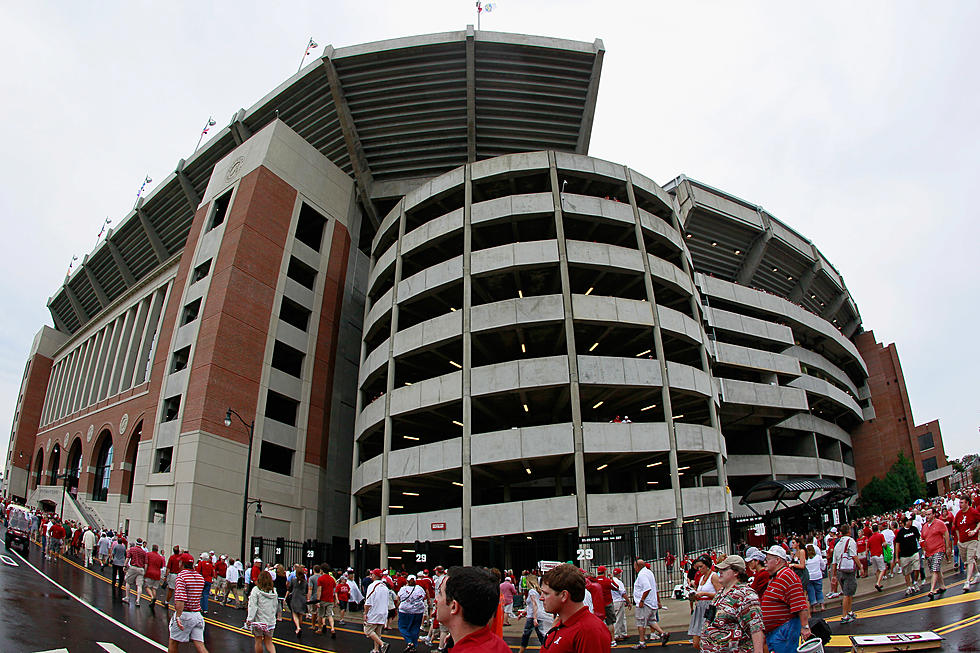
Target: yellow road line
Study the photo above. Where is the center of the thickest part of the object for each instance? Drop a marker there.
(951, 600)
(956, 625)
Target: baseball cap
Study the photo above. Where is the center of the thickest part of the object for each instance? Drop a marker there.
(601, 569)
(375, 572)
(440, 568)
(778, 551)
(833, 529)
(204, 555)
(257, 561)
(411, 577)
(732, 562)
(753, 553)
(617, 571)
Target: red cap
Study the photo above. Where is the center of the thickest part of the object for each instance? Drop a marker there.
(601, 569)
(617, 570)
(375, 572)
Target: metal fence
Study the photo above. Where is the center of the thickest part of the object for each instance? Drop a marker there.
(311, 552)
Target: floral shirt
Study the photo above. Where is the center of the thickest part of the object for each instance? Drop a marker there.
(738, 616)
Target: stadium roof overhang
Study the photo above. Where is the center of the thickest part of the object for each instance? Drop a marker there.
(391, 114)
(812, 493)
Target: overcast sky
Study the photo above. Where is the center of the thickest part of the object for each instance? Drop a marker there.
(855, 123)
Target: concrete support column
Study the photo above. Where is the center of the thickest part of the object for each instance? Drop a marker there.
(772, 461)
(713, 418)
(658, 343)
(389, 386)
(467, 372)
(574, 393)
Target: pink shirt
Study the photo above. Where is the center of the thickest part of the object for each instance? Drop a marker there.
(507, 591)
(933, 540)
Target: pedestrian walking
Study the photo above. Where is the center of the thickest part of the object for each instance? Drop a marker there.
(376, 610)
(263, 609)
(325, 591)
(706, 585)
(296, 600)
(647, 605)
(967, 524)
(736, 626)
(620, 600)
(815, 566)
(135, 571)
(153, 574)
(187, 622)
(104, 544)
(785, 613)
(936, 545)
(118, 558)
(844, 571)
(89, 542)
(233, 576)
(411, 609)
(538, 620)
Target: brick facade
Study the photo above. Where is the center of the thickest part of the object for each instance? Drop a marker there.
(878, 441)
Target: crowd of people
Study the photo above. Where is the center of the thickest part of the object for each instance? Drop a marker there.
(753, 601)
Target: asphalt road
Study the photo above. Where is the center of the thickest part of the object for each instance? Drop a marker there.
(81, 616)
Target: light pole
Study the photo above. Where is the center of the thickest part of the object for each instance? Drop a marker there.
(248, 471)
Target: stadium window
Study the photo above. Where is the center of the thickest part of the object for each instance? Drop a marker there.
(292, 313)
(287, 359)
(163, 459)
(220, 208)
(190, 312)
(309, 227)
(201, 271)
(301, 273)
(929, 464)
(277, 459)
(926, 441)
(158, 512)
(171, 407)
(181, 356)
(281, 408)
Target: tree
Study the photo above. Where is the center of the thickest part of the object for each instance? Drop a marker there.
(905, 473)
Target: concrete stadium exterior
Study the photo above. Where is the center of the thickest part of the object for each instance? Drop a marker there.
(403, 263)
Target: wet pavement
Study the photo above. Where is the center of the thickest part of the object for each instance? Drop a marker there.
(81, 616)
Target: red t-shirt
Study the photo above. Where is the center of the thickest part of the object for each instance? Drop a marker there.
(482, 641)
(425, 583)
(606, 583)
(783, 598)
(595, 590)
(136, 556)
(760, 581)
(862, 545)
(967, 520)
(876, 545)
(173, 563)
(582, 632)
(221, 568)
(206, 569)
(933, 540)
(256, 570)
(154, 562)
(58, 532)
(326, 584)
(343, 591)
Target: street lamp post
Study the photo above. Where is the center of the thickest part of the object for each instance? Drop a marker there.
(248, 470)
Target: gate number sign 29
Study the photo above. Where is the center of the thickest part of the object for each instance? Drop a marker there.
(585, 554)
(419, 557)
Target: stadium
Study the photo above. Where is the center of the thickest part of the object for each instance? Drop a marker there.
(395, 304)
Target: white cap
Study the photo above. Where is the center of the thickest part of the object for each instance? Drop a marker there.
(204, 555)
(833, 529)
(779, 552)
(411, 577)
(257, 561)
(507, 578)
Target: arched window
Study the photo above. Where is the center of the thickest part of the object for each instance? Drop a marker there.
(74, 469)
(134, 441)
(38, 468)
(103, 469)
(54, 465)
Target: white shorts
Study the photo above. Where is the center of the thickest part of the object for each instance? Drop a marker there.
(193, 623)
(878, 563)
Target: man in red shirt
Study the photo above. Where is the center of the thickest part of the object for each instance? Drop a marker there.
(876, 555)
(607, 584)
(135, 571)
(187, 622)
(206, 569)
(967, 524)
(220, 585)
(576, 628)
(935, 544)
(784, 600)
(467, 599)
(151, 577)
(326, 589)
(56, 539)
(173, 568)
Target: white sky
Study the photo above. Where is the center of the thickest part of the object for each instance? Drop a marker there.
(855, 123)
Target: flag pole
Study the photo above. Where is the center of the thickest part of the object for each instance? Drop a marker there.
(204, 131)
(309, 46)
(479, 10)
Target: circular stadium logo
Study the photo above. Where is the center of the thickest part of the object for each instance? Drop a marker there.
(235, 168)
(91, 431)
(124, 422)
